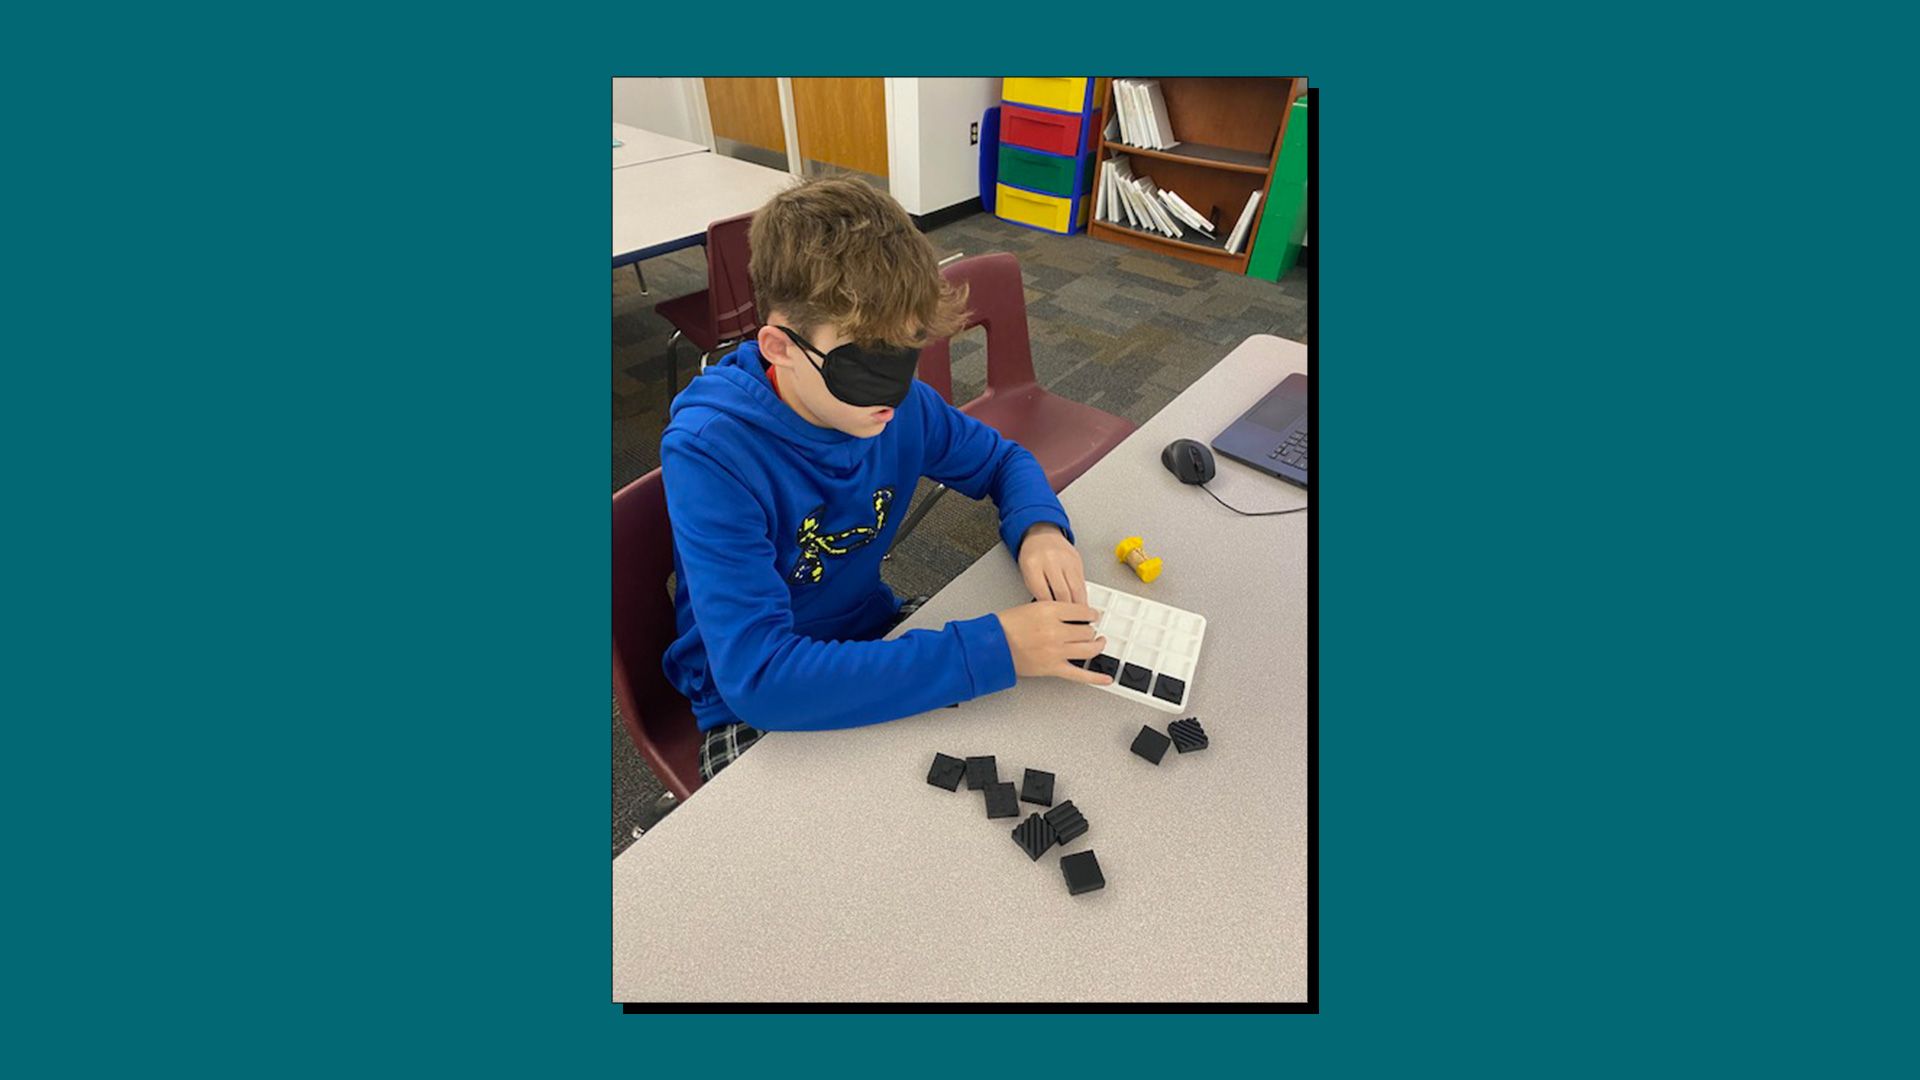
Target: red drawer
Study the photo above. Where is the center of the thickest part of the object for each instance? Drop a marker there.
(1036, 129)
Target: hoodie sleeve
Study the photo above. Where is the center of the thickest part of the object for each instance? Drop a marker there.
(775, 679)
(977, 461)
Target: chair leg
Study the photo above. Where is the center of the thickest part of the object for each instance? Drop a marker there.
(913, 519)
(673, 365)
(642, 278)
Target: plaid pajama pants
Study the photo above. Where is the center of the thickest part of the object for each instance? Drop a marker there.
(720, 746)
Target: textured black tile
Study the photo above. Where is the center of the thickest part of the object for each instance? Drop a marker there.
(1188, 735)
(1034, 836)
(1104, 664)
(947, 772)
(1037, 787)
(1082, 872)
(1168, 688)
(981, 771)
(1135, 677)
(1150, 744)
(1067, 821)
(1001, 801)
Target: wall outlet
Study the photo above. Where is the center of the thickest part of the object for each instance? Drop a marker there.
(973, 133)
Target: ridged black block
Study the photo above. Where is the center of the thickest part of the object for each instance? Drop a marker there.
(1150, 744)
(1001, 801)
(1034, 836)
(1067, 821)
(981, 771)
(1082, 872)
(1188, 735)
(947, 772)
(1037, 787)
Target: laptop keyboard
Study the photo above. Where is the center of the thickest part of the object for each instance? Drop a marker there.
(1294, 450)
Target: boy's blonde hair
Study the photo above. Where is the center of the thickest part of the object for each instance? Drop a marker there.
(835, 250)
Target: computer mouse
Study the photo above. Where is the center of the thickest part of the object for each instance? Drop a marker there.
(1189, 460)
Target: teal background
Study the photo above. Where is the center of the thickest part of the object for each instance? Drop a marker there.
(306, 439)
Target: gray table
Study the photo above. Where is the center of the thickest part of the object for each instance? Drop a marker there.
(821, 866)
(665, 205)
(639, 146)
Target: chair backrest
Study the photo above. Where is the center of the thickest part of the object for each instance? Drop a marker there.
(658, 719)
(729, 287)
(997, 300)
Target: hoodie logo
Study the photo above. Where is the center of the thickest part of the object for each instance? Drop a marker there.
(815, 546)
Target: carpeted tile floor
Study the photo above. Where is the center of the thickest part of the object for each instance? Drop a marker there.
(1119, 329)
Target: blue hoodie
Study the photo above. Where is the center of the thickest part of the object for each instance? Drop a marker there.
(778, 530)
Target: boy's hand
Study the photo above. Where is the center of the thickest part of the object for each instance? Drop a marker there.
(1050, 565)
(1043, 636)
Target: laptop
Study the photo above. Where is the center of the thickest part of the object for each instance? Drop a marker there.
(1272, 436)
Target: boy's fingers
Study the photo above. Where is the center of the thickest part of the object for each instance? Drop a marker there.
(1036, 583)
(1077, 583)
(1057, 582)
(1068, 611)
(1086, 650)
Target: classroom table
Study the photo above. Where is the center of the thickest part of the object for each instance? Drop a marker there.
(821, 866)
(640, 146)
(666, 205)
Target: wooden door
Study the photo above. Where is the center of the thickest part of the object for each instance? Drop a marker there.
(842, 122)
(747, 111)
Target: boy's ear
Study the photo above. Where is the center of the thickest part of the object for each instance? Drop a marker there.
(775, 346)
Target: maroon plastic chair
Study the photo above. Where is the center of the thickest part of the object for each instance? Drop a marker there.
(1065, 436)
(658, 719)
(722, 312)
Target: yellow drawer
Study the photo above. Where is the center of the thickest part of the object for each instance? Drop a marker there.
(1067, 95)
(1049, 212)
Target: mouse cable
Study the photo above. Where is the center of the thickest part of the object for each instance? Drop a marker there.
(1248, 513)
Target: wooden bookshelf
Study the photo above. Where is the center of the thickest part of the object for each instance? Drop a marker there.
(1230, 130)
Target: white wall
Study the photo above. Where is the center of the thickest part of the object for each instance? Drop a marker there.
(932, 164)
(655, 104)
(949, 166)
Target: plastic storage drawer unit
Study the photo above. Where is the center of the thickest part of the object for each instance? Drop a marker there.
(1048, 174)
(1052, 213)
(1056, 133)
(1065, 95)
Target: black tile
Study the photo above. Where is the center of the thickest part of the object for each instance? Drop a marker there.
(1034, 836)
(981, 771)
(1168, 688)
(1001, 801)
(1151, 745)
(1082, 872)
(1135, 677)
(1188, 735)
(1067, 821)
(1104, 664)
(1037, 787)
(947, 772)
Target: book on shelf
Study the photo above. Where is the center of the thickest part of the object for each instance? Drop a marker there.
(1245, 223)
(1142, 114)
(1137, 202)
(1191, 215)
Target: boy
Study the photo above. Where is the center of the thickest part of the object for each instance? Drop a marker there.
(788, 466)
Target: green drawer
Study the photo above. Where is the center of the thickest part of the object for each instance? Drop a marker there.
(1046, 173)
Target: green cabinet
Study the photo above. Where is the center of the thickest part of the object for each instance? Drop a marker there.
(1277, 244)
